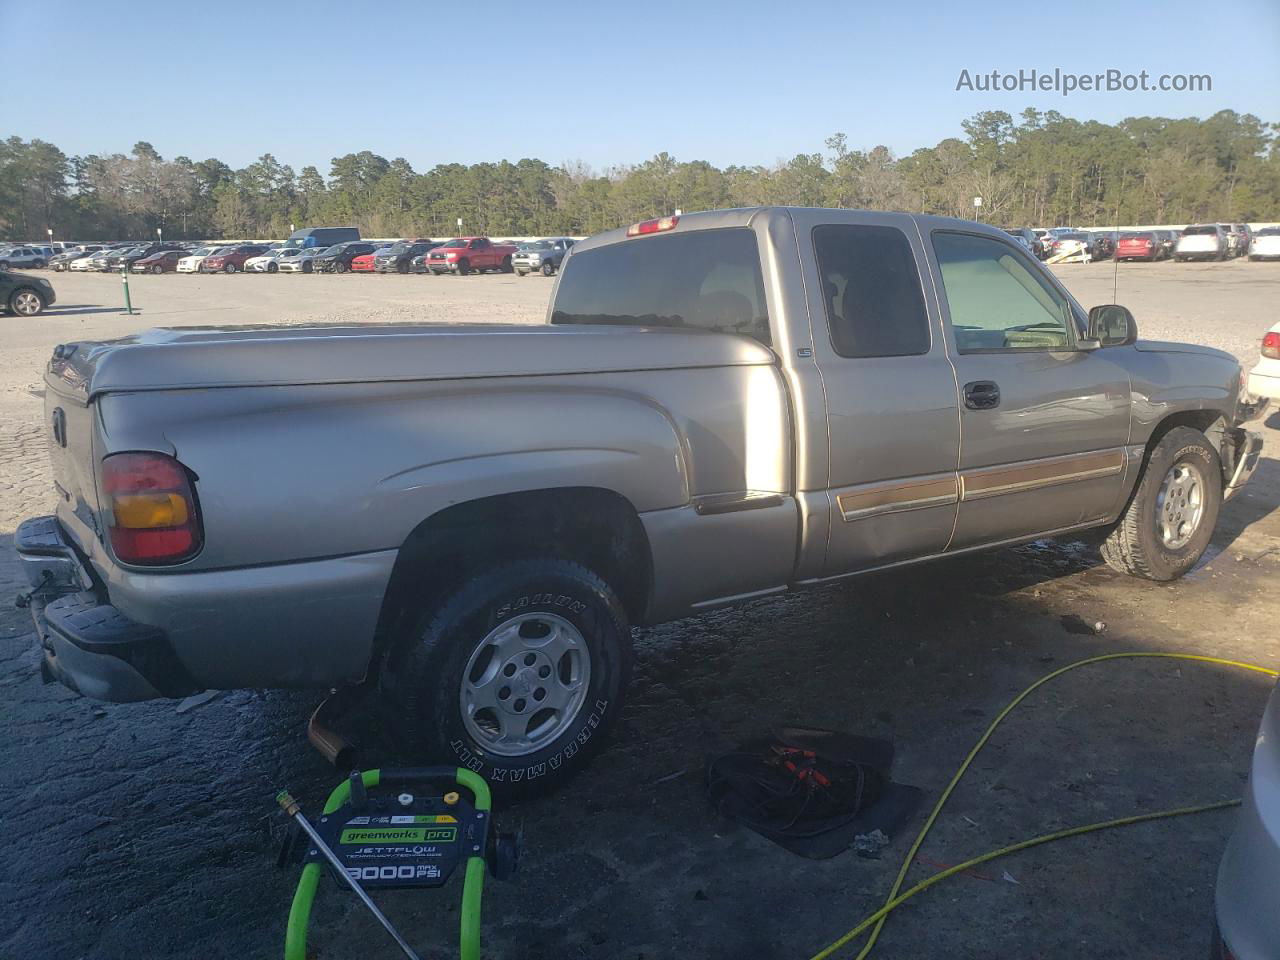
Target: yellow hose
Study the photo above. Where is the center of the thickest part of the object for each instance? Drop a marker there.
(895, 899)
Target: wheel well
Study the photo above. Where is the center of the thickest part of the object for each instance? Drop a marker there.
(1212, 423)
(596, 527)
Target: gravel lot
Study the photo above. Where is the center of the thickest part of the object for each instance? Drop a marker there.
(135, 831)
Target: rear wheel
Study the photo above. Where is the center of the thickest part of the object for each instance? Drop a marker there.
(506, 265)
(518, 676)
(38, 264)
(26, 303)
(156, 268)
(548, 268)
(1168, 523)
(229, 268)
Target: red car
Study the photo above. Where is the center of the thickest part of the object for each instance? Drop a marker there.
(166, 261)
(1139, 246)
(364, 262)
(465, 254)
(233, 260)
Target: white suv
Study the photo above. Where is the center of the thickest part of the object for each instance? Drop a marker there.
(1205, 241)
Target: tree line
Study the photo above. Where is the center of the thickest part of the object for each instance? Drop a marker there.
(1040, 169)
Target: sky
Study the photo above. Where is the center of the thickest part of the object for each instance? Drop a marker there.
(605, 83)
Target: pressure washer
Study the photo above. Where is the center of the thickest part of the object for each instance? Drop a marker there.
(396, 829)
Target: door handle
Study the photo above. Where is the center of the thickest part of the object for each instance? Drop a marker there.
(982, 395)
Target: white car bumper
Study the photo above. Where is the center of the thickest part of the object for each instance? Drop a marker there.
(1264, 379)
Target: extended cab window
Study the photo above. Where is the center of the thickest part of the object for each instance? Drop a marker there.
(708, 279)
(871, 287)
(997, 300)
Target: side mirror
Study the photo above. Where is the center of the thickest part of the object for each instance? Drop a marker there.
(1112, 325)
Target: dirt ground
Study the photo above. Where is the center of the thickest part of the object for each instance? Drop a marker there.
(136, 831)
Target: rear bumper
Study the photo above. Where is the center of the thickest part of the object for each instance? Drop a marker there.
(1265, 385)
(86, 644)
(305, 624)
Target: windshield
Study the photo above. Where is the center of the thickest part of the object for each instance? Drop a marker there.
(396, 249)
(1135, 236)
(536, 245)
(1199, 231)
(454, 244)
(1073, 236)
(1268, 232)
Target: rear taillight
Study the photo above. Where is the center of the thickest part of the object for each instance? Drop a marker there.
(151, 509)
(652, 226)
(1271, 345)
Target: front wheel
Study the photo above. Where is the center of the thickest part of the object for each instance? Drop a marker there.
(1168, 522)
(339, 267)
(464, 267)
(548, 268)
(156, 268)
(518, 676)
(273, 268)
(39, 264)
(229, 268)
(26, 303)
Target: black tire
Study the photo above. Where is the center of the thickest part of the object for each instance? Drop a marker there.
(522, 273)
(59, 267)
(229, 268)
(402, 267)
(26, 302)
(273, 268)
(548, 268)
(464, 267)
(1135, 545)
(39, 264)
(306, 267)
(506, 265)
(4, 264)
(156, 268)
(425, 679)
(339, 267)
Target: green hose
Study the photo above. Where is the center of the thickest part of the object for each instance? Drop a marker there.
(295, 938)
(894, 899)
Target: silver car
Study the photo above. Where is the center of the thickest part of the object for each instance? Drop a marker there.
(541, 256)
(1248, 924)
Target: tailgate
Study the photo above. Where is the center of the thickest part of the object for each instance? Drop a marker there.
(69, 428)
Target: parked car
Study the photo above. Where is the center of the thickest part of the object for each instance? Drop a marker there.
(1102, 244)
(12, 257)
(544, 256)
(322, 237)
(1264, 378)
(125, 259)
(337, 259)
(270, 261)
(1028, 238)
(1144, 245)
(24, 295)
(1071, 242)
(1238, 237)
(364, 262)
(193, 262)
(1265, 244)
(232, 259)
(62, 261)
(1168, 240)
(1247, 925)
(400, 257)
(524, 494)
(302, 262)
(91, 262)
(119, 256)
(1203, 241)
(162, 261)
(465, 254)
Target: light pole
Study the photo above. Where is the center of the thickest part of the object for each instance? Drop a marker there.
(160, 234)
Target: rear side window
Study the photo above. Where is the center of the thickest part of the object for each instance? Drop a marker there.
(704, 279)
(871, 287)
